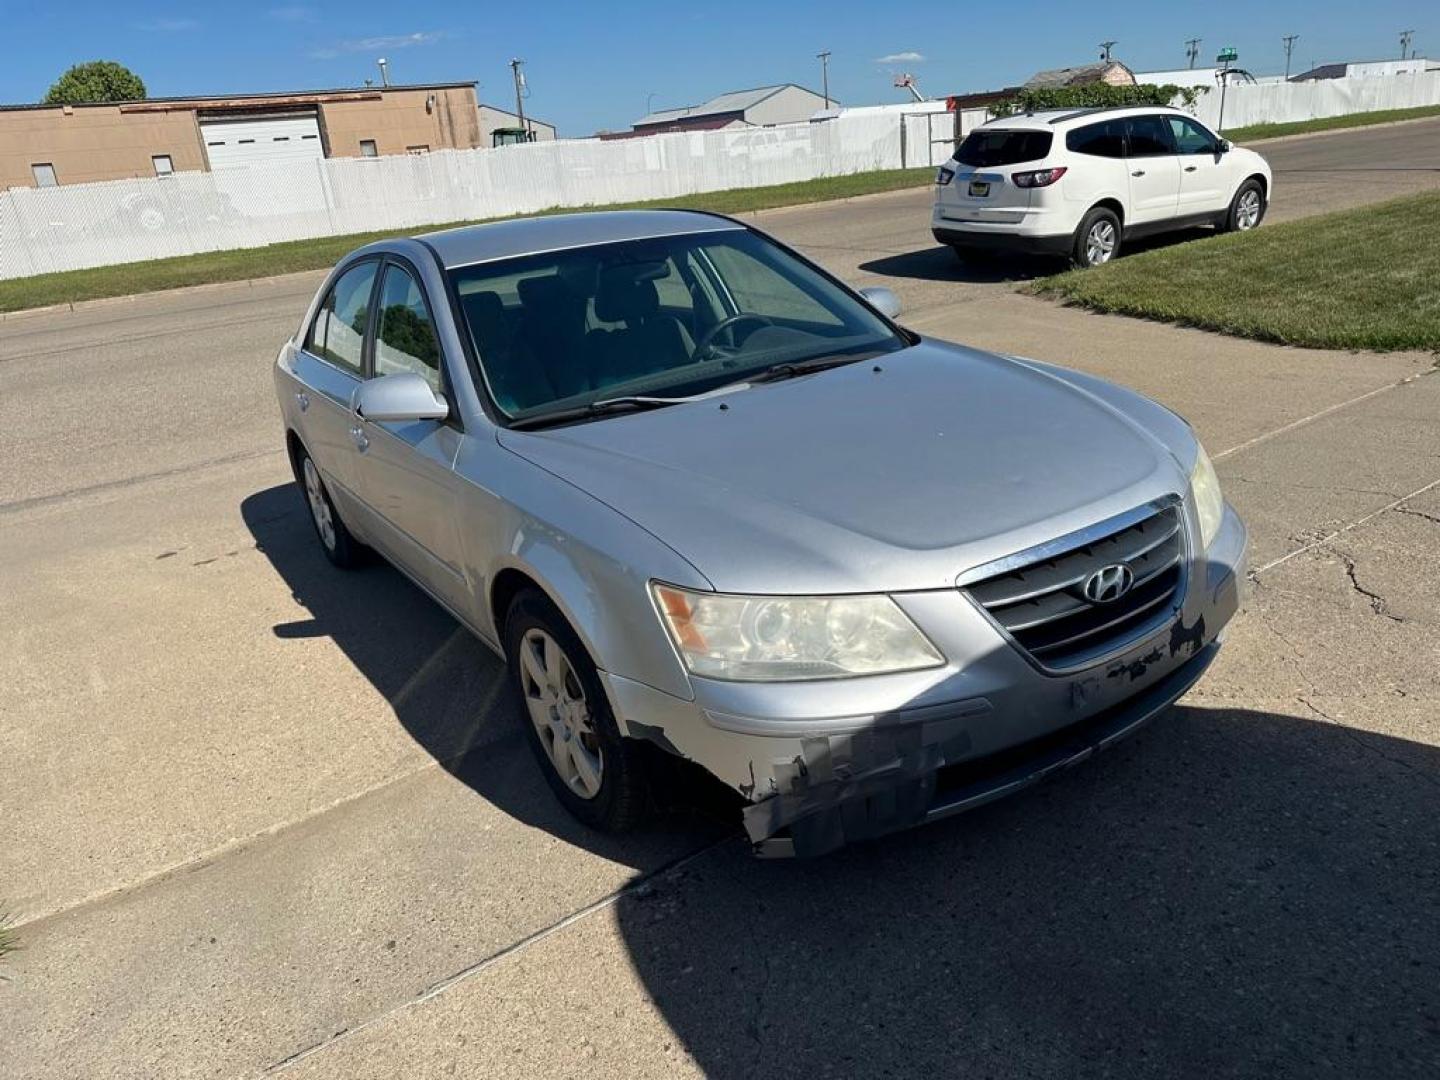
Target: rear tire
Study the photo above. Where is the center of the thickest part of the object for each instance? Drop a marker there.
(1097, 240)
(1247, 209)
(598, 776)
(339, 546)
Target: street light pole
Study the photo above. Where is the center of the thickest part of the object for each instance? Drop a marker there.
(1289, 40)
(824, 58)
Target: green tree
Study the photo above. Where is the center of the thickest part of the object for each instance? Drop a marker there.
(97, 80)
(1093, 95)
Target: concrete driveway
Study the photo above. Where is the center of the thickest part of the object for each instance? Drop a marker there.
(266, 817)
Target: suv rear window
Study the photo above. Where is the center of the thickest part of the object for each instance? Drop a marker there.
(986, 148)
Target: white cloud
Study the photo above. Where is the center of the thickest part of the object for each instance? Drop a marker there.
(380, 43)
(910, 57)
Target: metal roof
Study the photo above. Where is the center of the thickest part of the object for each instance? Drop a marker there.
(555, 232)
(1074, 76)
(733, 101)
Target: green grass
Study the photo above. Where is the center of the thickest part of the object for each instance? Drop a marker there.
(1256, 132)
(126, 279)
(1357, 279)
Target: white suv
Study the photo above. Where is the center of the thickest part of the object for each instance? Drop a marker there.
(1076, 182)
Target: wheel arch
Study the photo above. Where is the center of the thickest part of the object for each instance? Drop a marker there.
(1110, 203)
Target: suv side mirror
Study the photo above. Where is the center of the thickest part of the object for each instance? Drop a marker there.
(882, 300)
(402, 396)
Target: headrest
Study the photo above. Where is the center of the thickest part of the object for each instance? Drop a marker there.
(485, 311)
(624, 299)
(548, 296)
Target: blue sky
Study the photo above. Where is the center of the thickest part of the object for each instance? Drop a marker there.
(594, 65)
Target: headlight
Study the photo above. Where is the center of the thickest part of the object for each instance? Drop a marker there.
(780, 638)
(1209, 503)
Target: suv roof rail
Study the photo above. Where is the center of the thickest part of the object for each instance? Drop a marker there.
(1088, 110)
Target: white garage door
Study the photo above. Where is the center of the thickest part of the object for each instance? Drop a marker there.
(261, 140)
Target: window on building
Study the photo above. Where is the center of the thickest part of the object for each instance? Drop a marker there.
(421, 149)
(367, 148)
(44, 174)
(163, 165)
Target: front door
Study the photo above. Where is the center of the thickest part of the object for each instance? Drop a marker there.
(1204, 170)
(405, 469)
(1154, 170)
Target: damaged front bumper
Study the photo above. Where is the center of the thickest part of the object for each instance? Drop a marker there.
(826, 764)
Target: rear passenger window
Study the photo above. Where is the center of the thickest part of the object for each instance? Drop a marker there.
(339, 328)
(405, 338)
(1149, 136)
(1098, 140)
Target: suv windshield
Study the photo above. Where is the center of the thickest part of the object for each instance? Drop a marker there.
(987, 148)
(665, 317)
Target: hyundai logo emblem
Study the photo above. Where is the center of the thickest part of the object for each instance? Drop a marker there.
(1109, 583)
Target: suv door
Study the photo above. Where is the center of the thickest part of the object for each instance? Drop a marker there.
(1204, 172)
(328, 368)
(405, 472)
(1154, 170)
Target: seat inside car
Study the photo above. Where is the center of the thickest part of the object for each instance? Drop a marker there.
(550, 348)
(647, 340)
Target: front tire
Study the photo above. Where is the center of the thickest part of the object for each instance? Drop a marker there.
(597, 775)
(1097, 240)
(1247, 209)
(339, 546)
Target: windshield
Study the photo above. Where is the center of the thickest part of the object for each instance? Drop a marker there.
(987, 149)
(667, 316)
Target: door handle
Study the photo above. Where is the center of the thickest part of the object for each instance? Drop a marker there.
(1138, 172)
(303, 400)
(1191, 168)
(361, 442)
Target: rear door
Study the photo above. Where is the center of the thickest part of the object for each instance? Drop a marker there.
(328, 369)
(405, 469)
(1204, 172)
(1154, 170)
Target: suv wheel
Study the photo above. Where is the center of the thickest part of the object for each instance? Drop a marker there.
(1097, 240)
(597, 775)
(1247, 208)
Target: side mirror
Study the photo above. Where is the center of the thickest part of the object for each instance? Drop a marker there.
(882, 300)
(403, 396)
(1224, 146)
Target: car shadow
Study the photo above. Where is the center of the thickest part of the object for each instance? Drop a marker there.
(940, 263)
(447, 689)
(1230, 893)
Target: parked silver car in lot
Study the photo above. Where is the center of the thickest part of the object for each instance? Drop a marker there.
(702, 496)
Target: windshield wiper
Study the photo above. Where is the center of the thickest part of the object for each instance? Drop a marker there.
(793, 369)
(633, 403)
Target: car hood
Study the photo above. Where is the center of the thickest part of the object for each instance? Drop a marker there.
(890, 475)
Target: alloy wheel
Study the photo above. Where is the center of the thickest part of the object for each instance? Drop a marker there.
(1247, 210)
(555, 700)
(1100, 243)
(319, 505)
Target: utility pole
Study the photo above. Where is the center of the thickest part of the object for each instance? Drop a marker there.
(519, 77)
(648, 99)
(1289, 40)
(1405, 36)
(1192, 49)
(384, 71)
(1105, 49)
(824, 58)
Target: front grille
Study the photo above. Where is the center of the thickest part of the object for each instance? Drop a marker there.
(1043, 607)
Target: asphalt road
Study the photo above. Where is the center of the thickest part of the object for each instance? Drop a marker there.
(265, 817)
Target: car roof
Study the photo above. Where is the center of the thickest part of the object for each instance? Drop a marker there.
(1053, 119)
(553, 232)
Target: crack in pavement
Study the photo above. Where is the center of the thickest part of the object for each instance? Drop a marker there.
(1378, 603)
(1359, 740)
(1402, 509)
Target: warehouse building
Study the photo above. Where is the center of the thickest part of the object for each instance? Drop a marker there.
(46, 145)
(762, 107)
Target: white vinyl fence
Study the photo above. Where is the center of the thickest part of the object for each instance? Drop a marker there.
(1281, 103)
(80, 225)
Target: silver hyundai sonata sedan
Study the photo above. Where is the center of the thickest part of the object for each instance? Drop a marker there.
(703, 496)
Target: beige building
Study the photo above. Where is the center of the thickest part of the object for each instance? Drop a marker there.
(44, 145)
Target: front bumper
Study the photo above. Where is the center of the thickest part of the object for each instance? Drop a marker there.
(826, 764)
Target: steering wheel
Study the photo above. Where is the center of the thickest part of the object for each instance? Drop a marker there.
(703, 349)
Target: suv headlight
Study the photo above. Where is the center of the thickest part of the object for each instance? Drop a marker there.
(1209, 503)
(788, 638)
